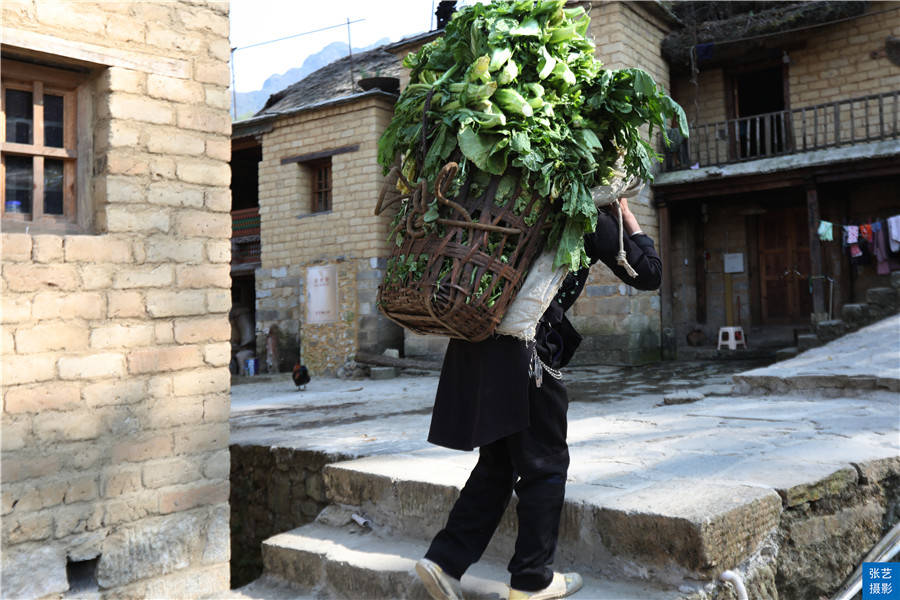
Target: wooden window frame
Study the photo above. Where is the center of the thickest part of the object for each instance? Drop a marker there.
(318, 188)
(40, 80)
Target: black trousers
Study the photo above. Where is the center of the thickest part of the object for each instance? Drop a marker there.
(533, 462)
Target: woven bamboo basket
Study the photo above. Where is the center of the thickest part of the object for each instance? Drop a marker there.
(450, 277)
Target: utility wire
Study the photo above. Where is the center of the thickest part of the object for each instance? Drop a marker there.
(281, 39)
(298, 35)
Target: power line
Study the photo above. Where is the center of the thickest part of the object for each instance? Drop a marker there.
(297, 35)
(281, 39)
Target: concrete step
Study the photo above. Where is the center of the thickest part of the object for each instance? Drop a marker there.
(347, 561)
(668, 531)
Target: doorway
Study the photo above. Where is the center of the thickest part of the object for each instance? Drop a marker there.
(784, 266)
(758, 103)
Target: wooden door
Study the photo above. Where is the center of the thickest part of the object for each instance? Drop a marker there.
(784, 266)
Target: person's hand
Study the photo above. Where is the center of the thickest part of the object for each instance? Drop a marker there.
(628, 219)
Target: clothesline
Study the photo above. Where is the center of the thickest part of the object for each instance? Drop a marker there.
(878, 239)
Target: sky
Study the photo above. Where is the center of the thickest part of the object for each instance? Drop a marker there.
(254, 21)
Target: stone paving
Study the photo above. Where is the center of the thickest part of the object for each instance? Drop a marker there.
(671, 445)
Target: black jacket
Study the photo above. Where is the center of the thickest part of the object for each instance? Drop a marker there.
(484, 387)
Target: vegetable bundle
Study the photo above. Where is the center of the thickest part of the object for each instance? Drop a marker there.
(515, 84)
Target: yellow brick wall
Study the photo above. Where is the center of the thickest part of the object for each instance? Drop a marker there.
(115, 334)
(609, 313)
(833, 64)
(350, 236)
(836, 62)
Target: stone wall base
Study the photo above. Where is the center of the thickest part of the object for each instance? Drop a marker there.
(825, 531)
(273, 490)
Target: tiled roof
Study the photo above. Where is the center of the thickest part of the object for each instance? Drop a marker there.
(333, 81)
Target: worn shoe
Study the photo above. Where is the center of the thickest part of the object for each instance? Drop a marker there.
(563, 584)
(439, 585)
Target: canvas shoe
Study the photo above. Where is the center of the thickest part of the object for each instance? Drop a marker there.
(563, 584)
(439, 585)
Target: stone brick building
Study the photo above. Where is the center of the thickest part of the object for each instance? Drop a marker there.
(313, 150)
(115, 294)
(790, 125)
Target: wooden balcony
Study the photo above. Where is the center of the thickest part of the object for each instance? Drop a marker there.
(245, 244)
(845, 122)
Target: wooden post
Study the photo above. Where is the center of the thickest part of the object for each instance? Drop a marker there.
(700, 265)
(668, 344)
(729, 301)
(815, 251)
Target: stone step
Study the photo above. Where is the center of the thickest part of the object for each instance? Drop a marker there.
(668, 531)
(805, 341)
(882, 301)
(831, 330)
(858, 363)
(268, 587)
(343, 560)
(855, 315)
(786, 353)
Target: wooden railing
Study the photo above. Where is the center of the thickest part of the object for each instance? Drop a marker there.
(245, 244)
(844, 122)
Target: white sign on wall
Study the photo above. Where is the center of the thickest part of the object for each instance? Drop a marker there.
(321, 294)
(734, 263)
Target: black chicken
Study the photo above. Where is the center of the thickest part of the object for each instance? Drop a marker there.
(300, 375)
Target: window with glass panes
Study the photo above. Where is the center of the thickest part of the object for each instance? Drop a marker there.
(321, 180)
(38, 148)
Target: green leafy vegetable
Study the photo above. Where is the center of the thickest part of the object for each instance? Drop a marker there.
(515, 84)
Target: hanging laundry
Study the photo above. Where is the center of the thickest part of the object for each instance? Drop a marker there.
(826, 231)
(893, 225)
(851, 234)
(880, 249)
(865, 232)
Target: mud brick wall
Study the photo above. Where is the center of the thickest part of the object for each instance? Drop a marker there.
(273, 490)
(350, 236)
(115, 332)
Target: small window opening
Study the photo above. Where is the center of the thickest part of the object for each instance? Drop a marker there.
(321, 184)
(82, 576)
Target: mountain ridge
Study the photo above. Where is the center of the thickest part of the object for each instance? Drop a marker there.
(248, 103)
